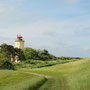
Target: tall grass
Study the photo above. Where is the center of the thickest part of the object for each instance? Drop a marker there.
(32, 84)
(69, 76)
(14, 80)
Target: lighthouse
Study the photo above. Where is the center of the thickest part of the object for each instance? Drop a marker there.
(19, 42)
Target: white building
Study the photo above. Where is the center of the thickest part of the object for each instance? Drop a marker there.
(19, 43)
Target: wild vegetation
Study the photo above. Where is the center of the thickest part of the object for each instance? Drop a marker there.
(6, 53)
(65, 73)
(29, 58)
(40, 63)
(69, 76)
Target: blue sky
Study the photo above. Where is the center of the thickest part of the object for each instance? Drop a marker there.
(60, 26)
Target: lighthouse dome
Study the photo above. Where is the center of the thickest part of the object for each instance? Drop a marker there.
(19, 37)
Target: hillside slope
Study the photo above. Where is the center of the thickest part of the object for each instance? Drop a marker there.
(70, 76)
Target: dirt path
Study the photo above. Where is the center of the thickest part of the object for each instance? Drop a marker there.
(37, 74)
(48, 77)
(62, 84)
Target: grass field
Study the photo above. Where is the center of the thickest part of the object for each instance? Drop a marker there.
(69, 76)
(14, 80)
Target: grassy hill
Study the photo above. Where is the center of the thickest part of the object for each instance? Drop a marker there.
(14, 80)
(69, 76)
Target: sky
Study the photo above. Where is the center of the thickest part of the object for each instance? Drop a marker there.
(60, 26)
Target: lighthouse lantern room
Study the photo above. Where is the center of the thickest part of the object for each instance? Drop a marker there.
(19, 42)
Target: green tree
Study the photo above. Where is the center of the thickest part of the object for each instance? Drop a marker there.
(20, 54)
(45, 55)
(30, 53)
(8, 50)
(5, 61)
(3, 58)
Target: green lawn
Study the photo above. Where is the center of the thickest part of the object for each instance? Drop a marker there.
(70, 76)
(14, 80)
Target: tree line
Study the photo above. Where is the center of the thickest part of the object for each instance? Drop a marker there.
(8, 53)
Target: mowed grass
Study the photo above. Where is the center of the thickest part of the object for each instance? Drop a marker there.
(14, 80)
(69, 76)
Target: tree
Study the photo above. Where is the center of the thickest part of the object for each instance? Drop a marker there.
(8, 50)
(45, 55)
(30, 53)
(19, 53)
(4, 60)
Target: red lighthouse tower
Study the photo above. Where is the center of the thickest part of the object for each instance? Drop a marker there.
(19, 42)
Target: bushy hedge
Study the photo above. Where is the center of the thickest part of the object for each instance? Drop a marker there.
(68, 58)
(7, 65)
(40, 63)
